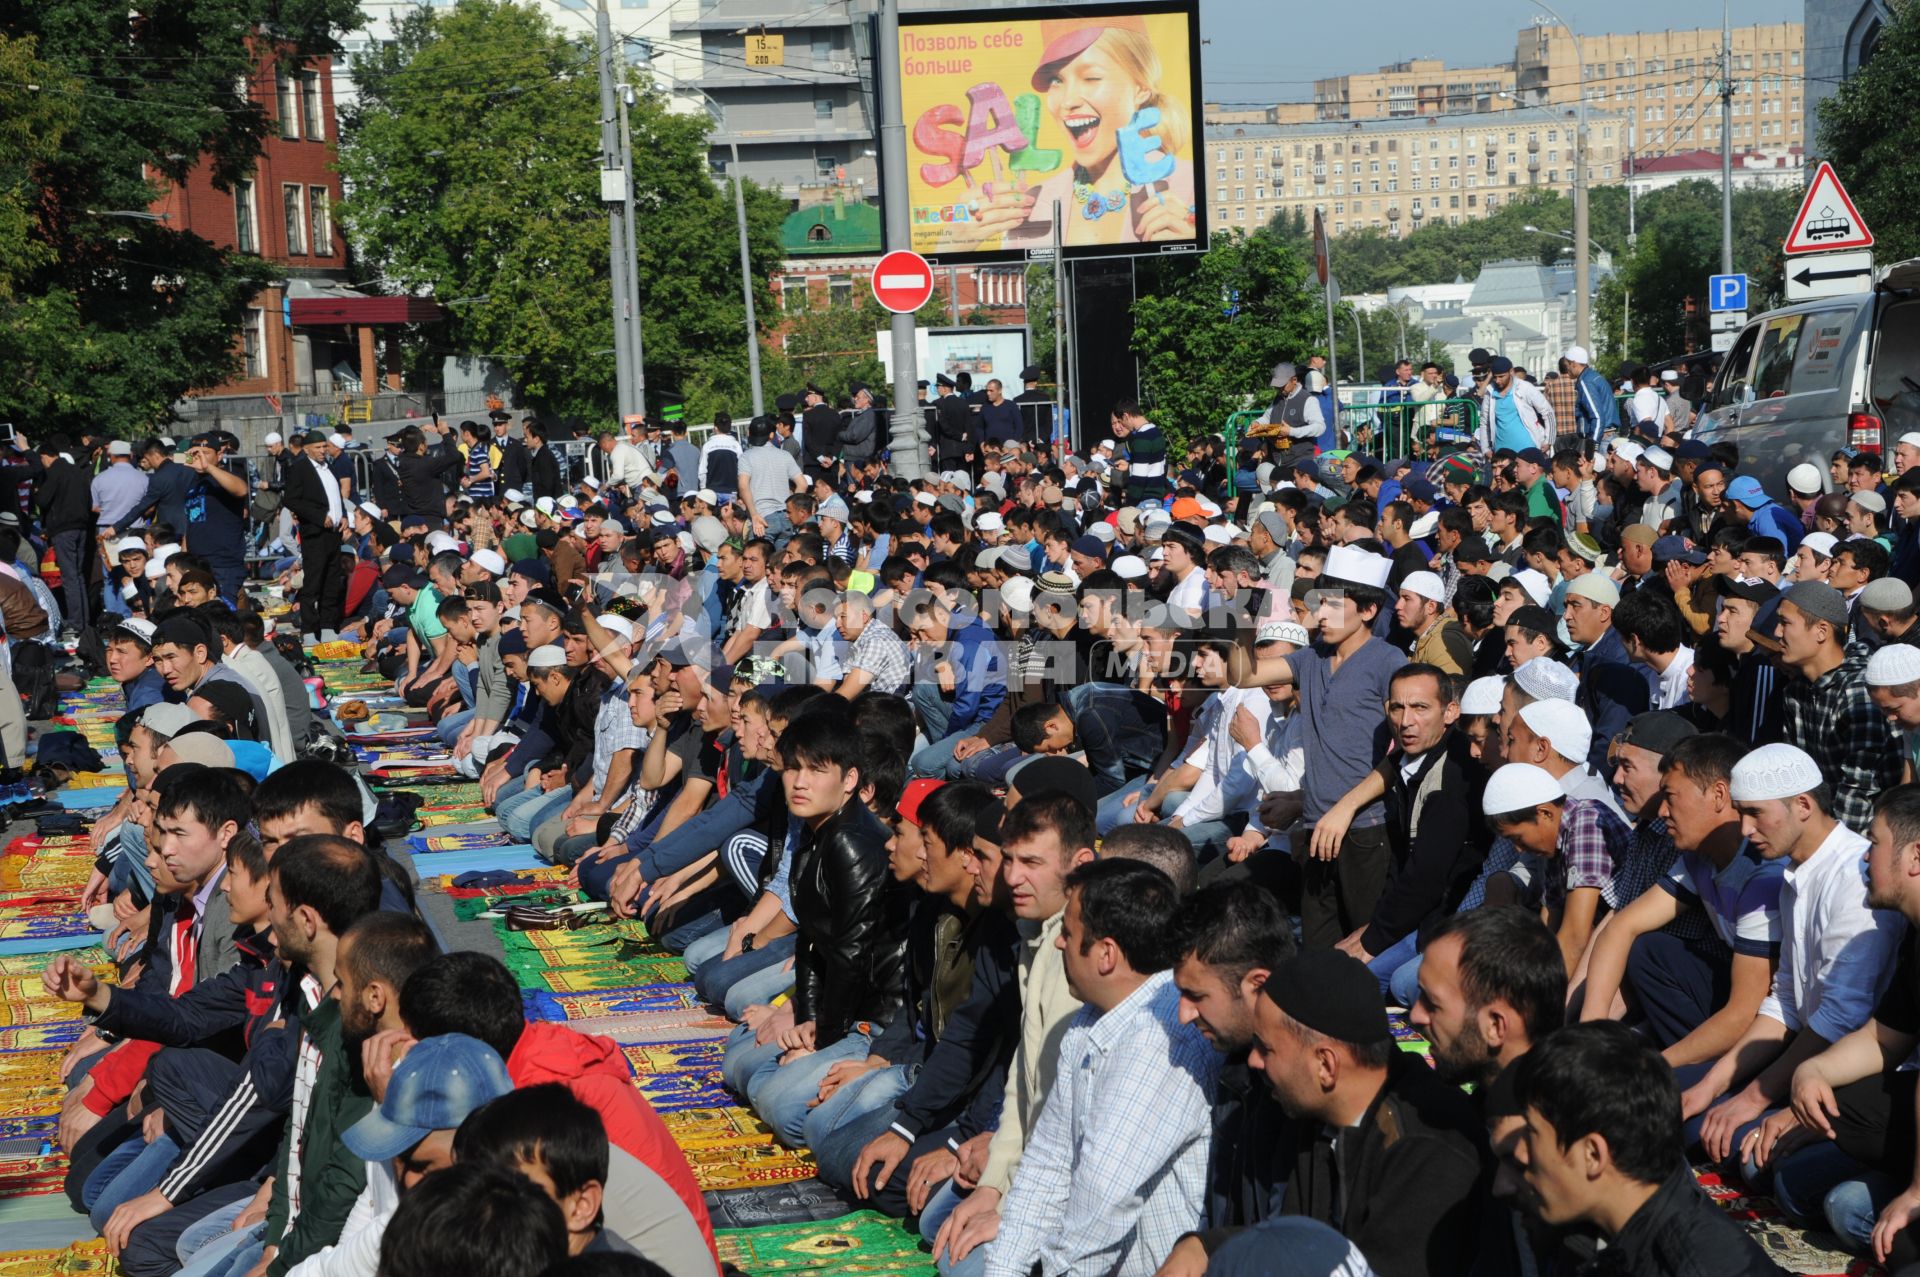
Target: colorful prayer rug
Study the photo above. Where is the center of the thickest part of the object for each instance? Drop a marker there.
(862, 1243)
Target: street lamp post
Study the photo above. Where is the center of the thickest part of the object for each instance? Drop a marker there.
(1359, 339)
(1582, 279)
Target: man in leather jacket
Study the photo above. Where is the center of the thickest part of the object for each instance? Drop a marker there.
(847, 964)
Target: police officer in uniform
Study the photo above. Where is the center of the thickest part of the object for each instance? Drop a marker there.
(819, 435)
(953, 428)
(1036, 406)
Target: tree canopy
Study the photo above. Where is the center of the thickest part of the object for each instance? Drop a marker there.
(486, 186)
(1874, 144)
(106, 320)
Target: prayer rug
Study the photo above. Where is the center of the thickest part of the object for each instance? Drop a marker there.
(861, 1243)
(646, 999)
(760, 1205)
(81, 1259)
(457, 842)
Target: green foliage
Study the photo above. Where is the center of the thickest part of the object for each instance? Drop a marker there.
(1874, 144)
(835, 346)
(488, 186)
(1198, 364)
(1371, 261)
(1678, 246)
(110, 320)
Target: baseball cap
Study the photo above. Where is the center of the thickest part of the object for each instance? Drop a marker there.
(1659, 731)
(1747, 491)
(1819, 601)
(165, 719)
(433, 1088)
(912, 796)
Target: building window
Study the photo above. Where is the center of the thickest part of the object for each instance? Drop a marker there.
(293, 199)
(289, 103)
(253, 344)
(245, 237)
(823, 108)
(793, 294)
(839, 291)
(311, 105)
(320, 204)
(822, 42)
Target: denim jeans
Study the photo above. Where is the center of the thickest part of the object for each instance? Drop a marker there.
(1803, 1181)
(780, 1093)
(870, 1093)
(838, 1149)
(1398, 954)
(463, 678)
(130, 862)
(448, 729)
(231, 1256)
(215, 1226)
(1853, 1207)
(1404, 984)
(526, 811)
(736, 983)
(1120, 736)
(1114, 809)
(134, 1168)
(938, 1207)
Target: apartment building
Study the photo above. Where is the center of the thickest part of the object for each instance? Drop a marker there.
(1398, 175)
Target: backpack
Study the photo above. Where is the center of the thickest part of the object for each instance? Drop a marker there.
(33, 676)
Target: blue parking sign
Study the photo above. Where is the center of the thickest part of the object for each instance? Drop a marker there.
(1726, 292)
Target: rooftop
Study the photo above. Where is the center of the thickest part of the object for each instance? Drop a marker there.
(1519, 117)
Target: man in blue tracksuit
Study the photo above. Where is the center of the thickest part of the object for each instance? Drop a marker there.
(1594, 410)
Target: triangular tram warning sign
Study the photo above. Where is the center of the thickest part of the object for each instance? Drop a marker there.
(1827, 221)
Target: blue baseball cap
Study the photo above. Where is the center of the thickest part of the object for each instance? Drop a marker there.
(1670, 548)
(1748, 492)
(433, 1088)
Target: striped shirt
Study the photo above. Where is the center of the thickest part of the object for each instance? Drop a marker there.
(477, 460)
(1146, 464)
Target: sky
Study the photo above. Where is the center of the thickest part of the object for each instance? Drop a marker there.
(1310, 40)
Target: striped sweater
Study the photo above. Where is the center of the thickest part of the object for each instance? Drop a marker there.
(1146, 464)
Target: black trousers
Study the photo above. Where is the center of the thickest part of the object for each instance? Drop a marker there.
(1338, 896)
(323, 586)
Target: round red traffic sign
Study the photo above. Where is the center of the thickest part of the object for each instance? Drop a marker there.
(902, 281)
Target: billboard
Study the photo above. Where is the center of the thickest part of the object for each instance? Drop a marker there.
(1096, 109)
(985, 353)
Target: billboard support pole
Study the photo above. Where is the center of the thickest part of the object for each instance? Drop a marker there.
(1060, 321)
(909, 450)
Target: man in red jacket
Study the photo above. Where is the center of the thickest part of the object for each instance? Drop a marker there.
(474, 994)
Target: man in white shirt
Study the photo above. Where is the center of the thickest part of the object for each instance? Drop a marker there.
(1186, 552)
(1836, 954)
(1115, 1172)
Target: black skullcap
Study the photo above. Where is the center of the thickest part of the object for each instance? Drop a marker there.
(1538, 619)
(987, 825)
(233, 704)
(1054, 775)
(184, 631)
(1331, 993)
(1187, 537)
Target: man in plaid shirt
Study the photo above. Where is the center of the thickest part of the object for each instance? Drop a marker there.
(1583, 840)
(1828, 710)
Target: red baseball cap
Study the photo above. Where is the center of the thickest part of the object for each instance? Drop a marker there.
(912, 796)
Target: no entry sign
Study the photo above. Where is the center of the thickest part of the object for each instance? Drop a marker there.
(902, 282)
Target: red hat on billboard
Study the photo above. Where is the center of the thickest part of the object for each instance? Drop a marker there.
(1068, 38)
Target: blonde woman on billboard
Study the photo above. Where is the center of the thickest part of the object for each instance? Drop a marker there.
(1125, 179)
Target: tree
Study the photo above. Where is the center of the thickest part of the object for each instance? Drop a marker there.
(1200, 363)
(109, 320)
(836, 347)
(487, 186)
(1874, 144)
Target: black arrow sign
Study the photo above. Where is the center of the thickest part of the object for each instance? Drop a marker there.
(1807, 275)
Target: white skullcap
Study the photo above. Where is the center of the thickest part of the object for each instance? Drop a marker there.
(1520, 787)
(1017, 593)
(1595, 588)
(1895, 665)
(489, 560)
(1101, 531)
(337, 440)
(1627, 450)
(1546, 679)
(1657, 457)
(1774, 771)
(442, 543)
(925, 498)
(1347, 563)
(1823, 543)
(1535, 584)
(1424, 525)
(618, 626)
(1217, 534)
(129, 545)
(1563, 725)
(1427, 585)
(1129, 567)
(545, 506)
(1291, 632)
(1578, 355)
(273, 436)
(373, 511)
(1805, 479)
(1484, 695)
(990, 521)
(548, 656)
(516, 496)
(529, 519)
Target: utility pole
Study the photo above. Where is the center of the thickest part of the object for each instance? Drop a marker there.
(1726, 138)
(1582, 268)
(616, 188)
(637, 358)
(746, 279)
(909, 449)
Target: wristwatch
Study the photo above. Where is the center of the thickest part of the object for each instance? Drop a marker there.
(746, 943)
